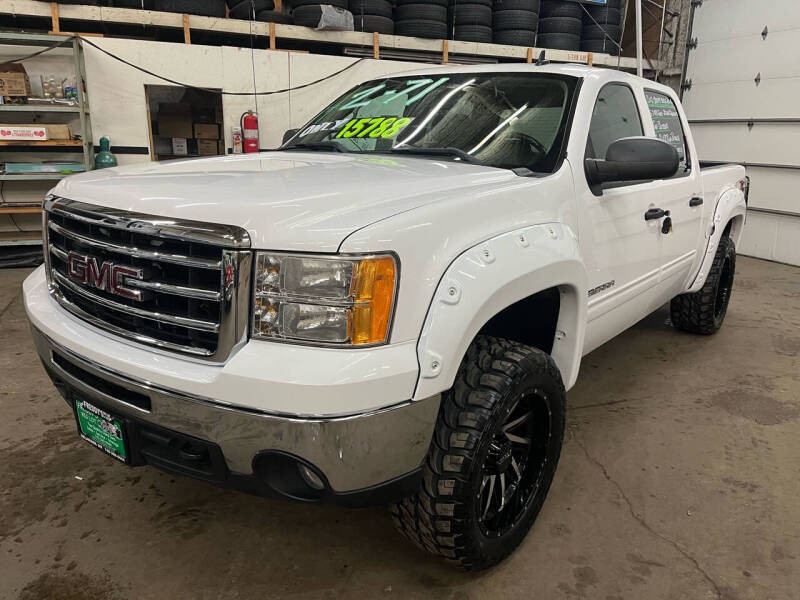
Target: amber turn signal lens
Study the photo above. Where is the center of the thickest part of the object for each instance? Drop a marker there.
(374, 297)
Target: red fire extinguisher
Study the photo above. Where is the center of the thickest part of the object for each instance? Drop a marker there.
(249, 123)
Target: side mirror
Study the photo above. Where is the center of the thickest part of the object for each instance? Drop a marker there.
(633, 159)
(289, 135)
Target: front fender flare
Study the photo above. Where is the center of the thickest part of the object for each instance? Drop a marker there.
(488, 278)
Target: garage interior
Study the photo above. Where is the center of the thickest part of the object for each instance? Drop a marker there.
(678, 476)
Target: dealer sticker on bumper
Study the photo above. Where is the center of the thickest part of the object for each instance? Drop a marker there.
(101, 429)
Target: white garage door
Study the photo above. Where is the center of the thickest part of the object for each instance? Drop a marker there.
(744, 106)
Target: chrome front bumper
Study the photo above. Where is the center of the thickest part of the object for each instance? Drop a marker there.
(353, 453)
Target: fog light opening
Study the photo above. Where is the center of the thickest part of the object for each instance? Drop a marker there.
(290, 476)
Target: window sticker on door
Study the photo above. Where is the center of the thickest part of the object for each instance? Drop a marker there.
(667, 123)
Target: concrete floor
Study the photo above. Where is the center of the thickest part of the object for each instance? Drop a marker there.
(679, 479)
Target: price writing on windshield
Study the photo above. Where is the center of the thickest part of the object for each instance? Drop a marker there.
(374, 127)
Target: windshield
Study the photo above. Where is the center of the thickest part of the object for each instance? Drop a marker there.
(506, 120)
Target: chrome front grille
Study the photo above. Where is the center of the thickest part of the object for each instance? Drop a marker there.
(181, 286)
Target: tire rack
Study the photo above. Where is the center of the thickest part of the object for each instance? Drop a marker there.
(436, 51)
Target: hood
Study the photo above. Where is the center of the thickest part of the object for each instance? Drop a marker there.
(305, 201)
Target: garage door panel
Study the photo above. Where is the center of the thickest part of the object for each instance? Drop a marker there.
(743, 100)
(764, 143)
(723, 20)
(738, 59)
(775, 189)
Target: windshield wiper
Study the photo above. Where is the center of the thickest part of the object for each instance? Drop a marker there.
(329, 146)
(457, 152)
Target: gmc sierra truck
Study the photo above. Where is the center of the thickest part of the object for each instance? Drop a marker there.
(390, 307)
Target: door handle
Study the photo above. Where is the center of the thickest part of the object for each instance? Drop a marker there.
(655, 213)
(696, 201)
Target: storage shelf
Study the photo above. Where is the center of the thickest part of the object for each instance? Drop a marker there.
(20, 238)
(20, 210)
(40, 108)
(108, 16)
(43, 143)
(34, 176)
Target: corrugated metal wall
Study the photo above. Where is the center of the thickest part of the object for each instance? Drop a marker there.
(744, 106)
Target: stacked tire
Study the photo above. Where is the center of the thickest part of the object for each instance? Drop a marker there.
(602, 28)
(471, 20)
(374, 16)
(560, 25)
(205, 8)
(514, 22)
(421, 18)
(248, 9)
(309, 12)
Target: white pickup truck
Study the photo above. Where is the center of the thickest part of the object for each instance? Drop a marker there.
(391, 307)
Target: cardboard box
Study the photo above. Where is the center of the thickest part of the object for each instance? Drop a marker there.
(206, 131)
(175, 120)
(23, 133)
(180, 146)
(30, 131)
(14, 80)
(207, 147)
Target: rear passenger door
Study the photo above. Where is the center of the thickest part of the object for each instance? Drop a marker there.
(622, 250)
(682, 195)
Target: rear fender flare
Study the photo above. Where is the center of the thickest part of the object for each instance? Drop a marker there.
(488, 278)
(730, 207)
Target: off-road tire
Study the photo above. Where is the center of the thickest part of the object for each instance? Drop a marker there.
(703, 312)
(442, 517)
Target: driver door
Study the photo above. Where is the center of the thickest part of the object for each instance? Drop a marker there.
(621, 249)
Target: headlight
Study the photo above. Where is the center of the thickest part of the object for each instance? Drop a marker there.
(327, 300)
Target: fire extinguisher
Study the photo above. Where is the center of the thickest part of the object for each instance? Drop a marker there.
(249, 123)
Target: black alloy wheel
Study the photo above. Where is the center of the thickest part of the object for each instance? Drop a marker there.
(514, 465)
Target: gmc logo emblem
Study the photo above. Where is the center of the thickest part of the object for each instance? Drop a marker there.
(105, 276)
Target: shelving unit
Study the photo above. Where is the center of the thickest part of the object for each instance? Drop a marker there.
(38, 108)
(20, 238)
(33, 177)
(83, 146)
(43, 144)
